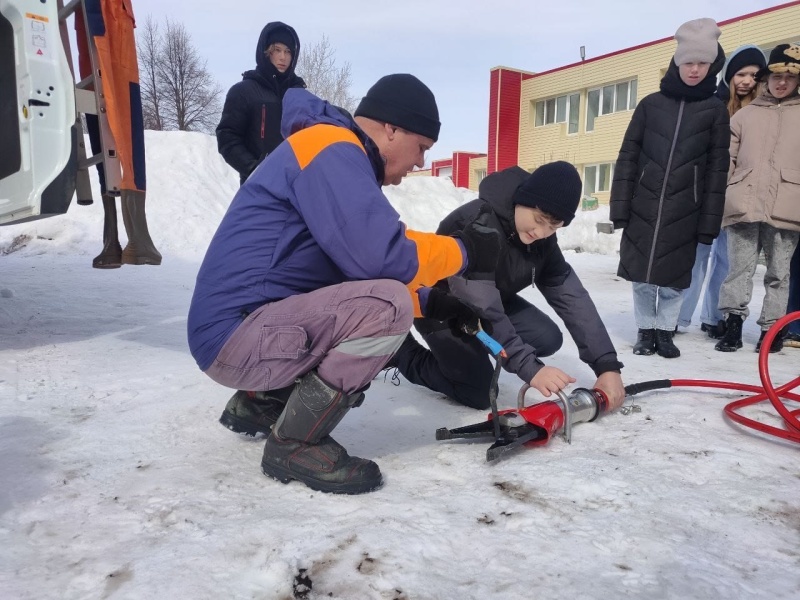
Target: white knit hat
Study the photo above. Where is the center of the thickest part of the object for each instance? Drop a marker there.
(697, 41)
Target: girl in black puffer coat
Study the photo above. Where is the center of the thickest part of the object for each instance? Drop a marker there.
(250, 127)
(669, 184)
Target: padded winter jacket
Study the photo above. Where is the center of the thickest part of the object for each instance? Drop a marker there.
(668, 191)
(310, 216)
(541, 264)
(250, 126)
(764, 186)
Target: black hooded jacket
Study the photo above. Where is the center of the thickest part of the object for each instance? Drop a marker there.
(541, 264)
(250, 126)
(669, 182)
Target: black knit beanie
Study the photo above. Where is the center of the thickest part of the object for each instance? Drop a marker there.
(554, 188)
(404, 101)
(743, 58)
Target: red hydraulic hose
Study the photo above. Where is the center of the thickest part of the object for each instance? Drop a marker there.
(790, 417)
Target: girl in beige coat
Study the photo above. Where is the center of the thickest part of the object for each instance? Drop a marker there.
(762, 204)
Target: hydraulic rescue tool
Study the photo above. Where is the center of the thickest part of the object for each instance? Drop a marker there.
(532, 425)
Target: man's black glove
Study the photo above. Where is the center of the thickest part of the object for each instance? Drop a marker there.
(460, 317)
(483, 248)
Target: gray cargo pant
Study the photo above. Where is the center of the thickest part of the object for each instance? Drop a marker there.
(347, 332)
(745, 241)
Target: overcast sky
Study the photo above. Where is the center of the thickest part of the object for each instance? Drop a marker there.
(451, 46)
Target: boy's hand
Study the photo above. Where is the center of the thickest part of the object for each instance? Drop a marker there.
(550, 380)
(610, 383)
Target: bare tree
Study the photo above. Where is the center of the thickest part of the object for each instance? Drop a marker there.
(317, 66)
(148, 48)
(178, 92)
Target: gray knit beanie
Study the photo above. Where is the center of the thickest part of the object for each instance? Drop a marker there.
(697, 41)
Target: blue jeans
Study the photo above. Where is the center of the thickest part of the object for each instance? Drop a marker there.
(718, 265)
(794, 289)
(711, 314)
(656, 307)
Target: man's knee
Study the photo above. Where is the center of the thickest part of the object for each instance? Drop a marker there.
(398, 296)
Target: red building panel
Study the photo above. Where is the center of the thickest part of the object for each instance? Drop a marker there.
(504, 108)
(438, 165)
(461, 167)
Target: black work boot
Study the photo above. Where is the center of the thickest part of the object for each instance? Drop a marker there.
(715, 332)
(732, 340)
(300, 448)
(251, 413)
(645, 342)
(665, 346)
(111, 256)
(777, 343)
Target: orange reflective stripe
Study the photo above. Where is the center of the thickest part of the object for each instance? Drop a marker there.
(307, 143)
(439, 257)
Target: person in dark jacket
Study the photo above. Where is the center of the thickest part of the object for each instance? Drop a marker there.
(669, 182)
(526, 210)
(737, 88)
(250, 126)
(311, 281)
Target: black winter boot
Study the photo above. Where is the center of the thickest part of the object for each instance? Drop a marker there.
(645, 342)
(664, 344)
(732, 340)
(715, 332)
(250, 413)
(777, 343)
(300, 448)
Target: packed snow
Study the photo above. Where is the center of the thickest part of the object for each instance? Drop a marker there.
(117, 481)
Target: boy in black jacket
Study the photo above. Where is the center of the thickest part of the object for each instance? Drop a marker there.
(250, 126)
(526, 209)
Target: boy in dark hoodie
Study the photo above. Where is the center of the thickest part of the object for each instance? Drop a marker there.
(669, 183)
(250, 126)
(525, 209)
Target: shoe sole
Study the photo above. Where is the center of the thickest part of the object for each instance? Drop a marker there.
(241, 426)
(285, 476)
(728, 348)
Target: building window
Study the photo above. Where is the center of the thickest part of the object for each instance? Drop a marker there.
(597, 178)
(609, 99)
(564, 109)
(480, 175)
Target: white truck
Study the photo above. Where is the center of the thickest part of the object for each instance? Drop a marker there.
(38, 151)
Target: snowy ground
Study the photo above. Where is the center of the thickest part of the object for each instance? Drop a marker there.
(116, 481)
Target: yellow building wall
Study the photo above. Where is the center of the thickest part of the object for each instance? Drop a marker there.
(539, 145)
(477, 170)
